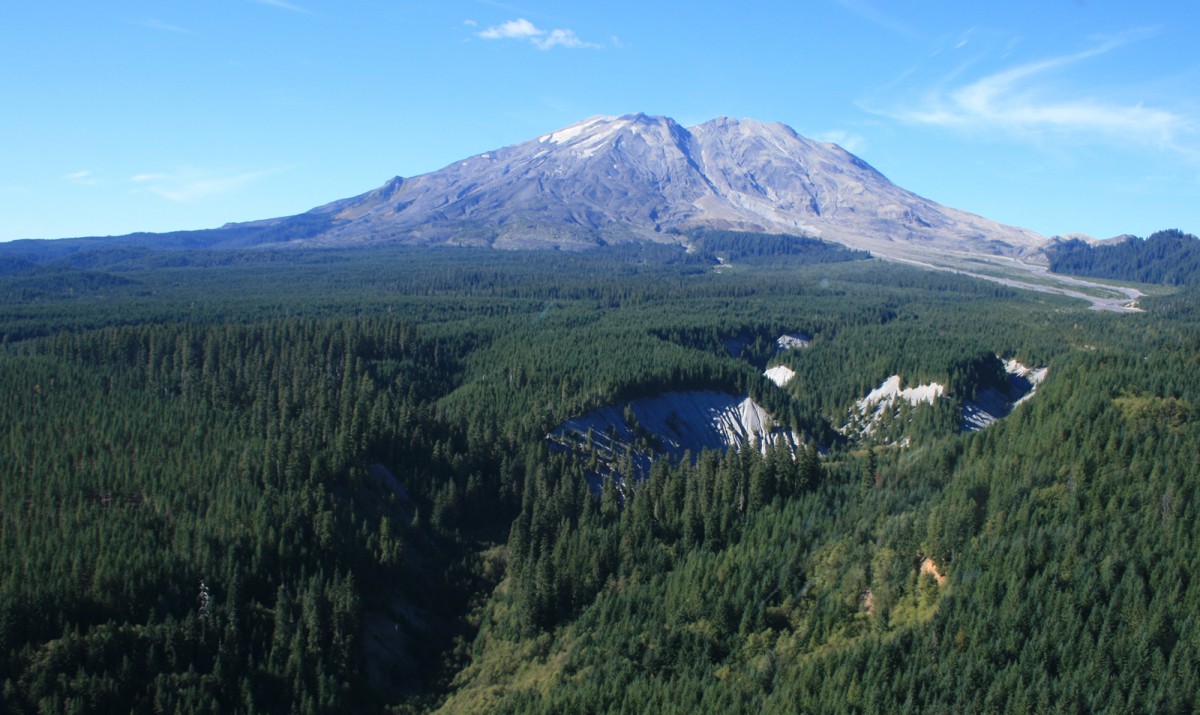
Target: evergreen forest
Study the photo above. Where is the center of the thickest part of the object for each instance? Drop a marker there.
(273, 481)
(1169, 257)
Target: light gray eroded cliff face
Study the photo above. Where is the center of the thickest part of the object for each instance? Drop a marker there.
(670, 425)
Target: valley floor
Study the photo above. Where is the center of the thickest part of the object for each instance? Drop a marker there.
(1026, 276)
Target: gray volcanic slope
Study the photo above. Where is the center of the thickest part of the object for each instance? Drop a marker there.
(638, 178)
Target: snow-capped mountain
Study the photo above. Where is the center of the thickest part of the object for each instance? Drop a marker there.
(618, 179)
(637, 177)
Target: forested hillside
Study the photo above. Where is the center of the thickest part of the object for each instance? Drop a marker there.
(319, 482)
(1168, 257)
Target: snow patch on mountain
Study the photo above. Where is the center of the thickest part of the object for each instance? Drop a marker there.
(586, 139)
(566, 134)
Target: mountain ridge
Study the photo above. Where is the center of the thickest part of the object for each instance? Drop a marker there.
(638, 177)
(620, 179)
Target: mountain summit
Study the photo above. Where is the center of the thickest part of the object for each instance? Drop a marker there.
(638, 178)
(613, 180)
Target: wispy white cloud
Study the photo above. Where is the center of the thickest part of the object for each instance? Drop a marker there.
(84, 178)
(1021, 102)
(562, 38)
(872, 14)
(284, 5)
(520, 29)
(525, 31)
(164, 26)
(188, 185)
(851, 142)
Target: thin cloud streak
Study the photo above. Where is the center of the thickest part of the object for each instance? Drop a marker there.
(1012, 101)
(154, 24)
(851, 142)
(874, 15)
(284, 5)
(189, 185)
(84, 178)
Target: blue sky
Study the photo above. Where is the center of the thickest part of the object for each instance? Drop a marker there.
(1056, 115)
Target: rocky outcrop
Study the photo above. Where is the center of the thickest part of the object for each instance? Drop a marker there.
(993, 404)
(670, 424)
